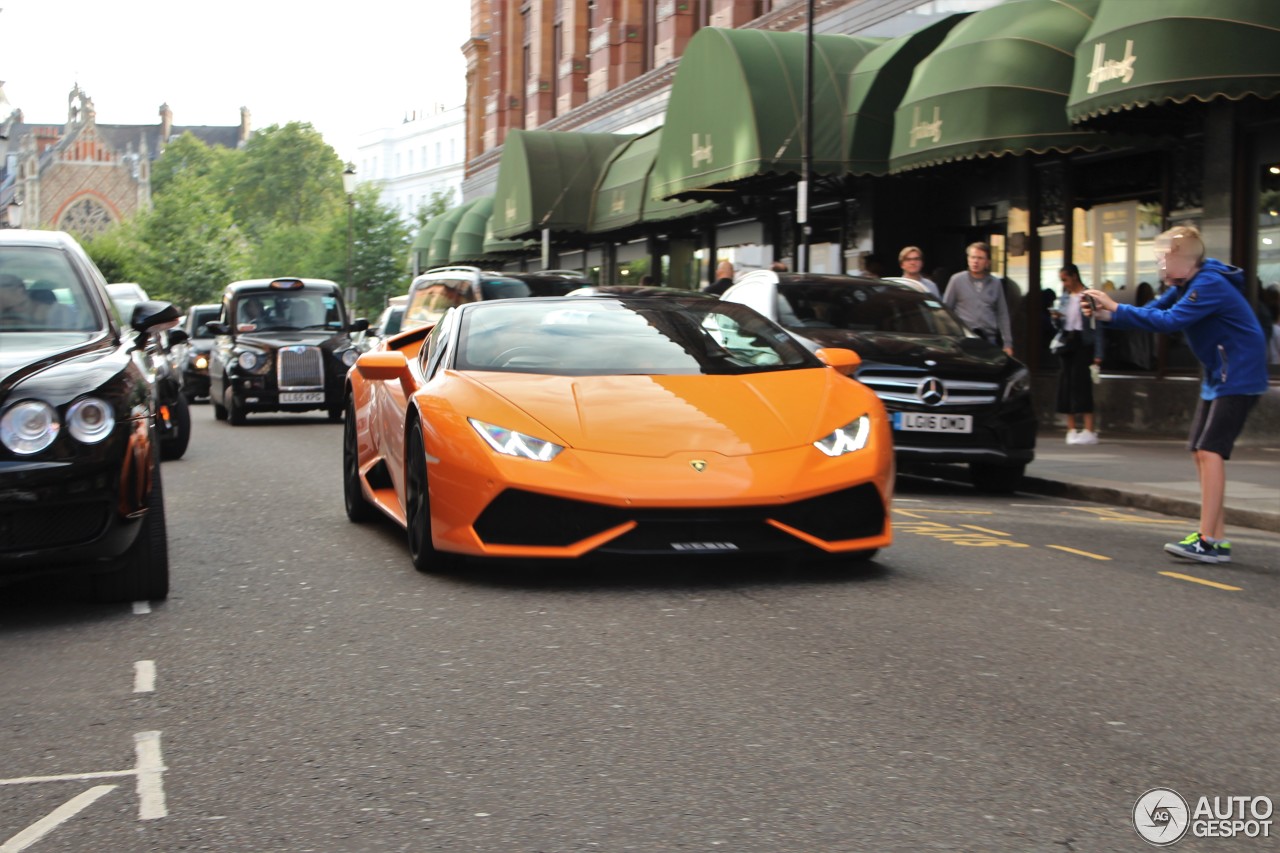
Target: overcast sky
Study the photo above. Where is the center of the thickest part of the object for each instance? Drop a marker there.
(286, 60)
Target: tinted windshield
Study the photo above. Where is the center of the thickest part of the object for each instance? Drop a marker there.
(200, 319)
(282, 311)
(584, 337)
(864, 308)
(41, 292)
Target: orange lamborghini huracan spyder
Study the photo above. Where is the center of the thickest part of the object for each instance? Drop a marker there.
(567, 426)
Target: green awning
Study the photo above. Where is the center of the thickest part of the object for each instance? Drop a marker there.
(876, 88)
(998, 84)
(737, 105)
(546, 180)
(467, 245)
(1147, 52)
(622, 197)
(442, 240)
(420, 252)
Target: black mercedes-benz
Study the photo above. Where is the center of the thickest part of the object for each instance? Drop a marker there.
(952, 396)
(80, 487)
(283, 345)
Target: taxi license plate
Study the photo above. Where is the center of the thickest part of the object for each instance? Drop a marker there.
(302, 397)
(928, 422)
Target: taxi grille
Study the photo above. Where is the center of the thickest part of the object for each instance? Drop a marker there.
(300, 368)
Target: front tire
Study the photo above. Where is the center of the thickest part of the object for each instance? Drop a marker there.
(422, 550)
(142, 572)
(359, 510)
(235, 410)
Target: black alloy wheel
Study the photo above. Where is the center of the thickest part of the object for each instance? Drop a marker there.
(358, 509)
(418, 511)
(174, 444)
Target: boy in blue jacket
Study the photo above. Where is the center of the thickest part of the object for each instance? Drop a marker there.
(1206, 302)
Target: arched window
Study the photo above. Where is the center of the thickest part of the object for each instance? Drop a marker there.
(87, 217)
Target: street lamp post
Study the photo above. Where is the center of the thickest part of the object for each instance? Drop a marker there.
(349, 187)
(13, 214)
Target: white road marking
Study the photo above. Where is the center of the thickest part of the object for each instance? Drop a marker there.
(151, 801)
(55, 818)
(144, 676)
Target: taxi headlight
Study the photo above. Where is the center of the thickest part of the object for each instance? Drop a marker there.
(201, 362)
(90, 420)
(254, 362)
(847, 439)
(29, 427)
(511, 443)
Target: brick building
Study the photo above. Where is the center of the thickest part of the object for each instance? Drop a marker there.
(83, 176)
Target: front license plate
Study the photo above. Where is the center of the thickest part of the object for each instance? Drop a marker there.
(302, 397)
(928, 422)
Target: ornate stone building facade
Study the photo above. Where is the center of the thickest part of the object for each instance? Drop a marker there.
(83, 176)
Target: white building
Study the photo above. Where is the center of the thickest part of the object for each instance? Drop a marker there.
(423, 155)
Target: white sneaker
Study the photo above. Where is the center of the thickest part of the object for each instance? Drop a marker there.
(1086, 436)
(1073, 437)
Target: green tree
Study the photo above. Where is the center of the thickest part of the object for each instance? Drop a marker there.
(189, 156)
(118, 252)
(379, 242)
(287, 175)
(440, 201)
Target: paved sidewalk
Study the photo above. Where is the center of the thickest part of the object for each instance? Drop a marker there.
(1157, 475)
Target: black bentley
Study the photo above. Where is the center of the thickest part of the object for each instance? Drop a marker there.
(283, 345)
(80, 487)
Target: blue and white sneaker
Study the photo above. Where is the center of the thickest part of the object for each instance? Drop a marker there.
(1194, 547)
(1223, 547)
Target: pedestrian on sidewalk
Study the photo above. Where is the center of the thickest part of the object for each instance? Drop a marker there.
(977, 297)
(1206, 302)
(911, 261)
(1079, 344)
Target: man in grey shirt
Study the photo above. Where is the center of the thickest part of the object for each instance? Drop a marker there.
(977, 298)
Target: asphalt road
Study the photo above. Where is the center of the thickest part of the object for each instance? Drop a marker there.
(1010, 676)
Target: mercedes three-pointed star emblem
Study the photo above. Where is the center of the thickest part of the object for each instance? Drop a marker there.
(931, 391)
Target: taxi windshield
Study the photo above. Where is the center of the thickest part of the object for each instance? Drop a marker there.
(287, 311)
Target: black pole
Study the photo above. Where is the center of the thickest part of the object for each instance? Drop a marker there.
(806, 151)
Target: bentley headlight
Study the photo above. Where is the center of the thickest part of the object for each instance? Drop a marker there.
(29, 426)
(848, 438)
(1018, 383)
(349, 356)
(90, 420)
(512, 443)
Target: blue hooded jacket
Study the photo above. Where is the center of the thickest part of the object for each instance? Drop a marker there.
(1220, 327)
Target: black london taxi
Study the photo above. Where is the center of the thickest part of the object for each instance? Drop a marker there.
(283, 345)
(80, 486)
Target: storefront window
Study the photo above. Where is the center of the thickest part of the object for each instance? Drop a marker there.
(1113, 246)
(1269, 227)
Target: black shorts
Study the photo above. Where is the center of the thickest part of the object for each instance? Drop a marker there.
(1218, 423)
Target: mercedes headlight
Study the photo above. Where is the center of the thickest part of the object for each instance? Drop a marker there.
(1018, 383)
(90, 420)
(848, 438)
(29, 427)
(512, 443)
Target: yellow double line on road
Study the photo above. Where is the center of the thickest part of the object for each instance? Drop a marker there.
(964, 534)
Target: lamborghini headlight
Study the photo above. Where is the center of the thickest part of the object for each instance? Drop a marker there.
(512, 443)
(848, 438)
(29, 427)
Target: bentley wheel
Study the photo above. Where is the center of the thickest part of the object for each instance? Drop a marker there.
(142, 572)
(418, 511)
(358, 509)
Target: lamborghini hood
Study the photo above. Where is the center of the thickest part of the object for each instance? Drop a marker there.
(657, 416)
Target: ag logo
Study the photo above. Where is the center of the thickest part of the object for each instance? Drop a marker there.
(1161, 817)
(699, 465)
